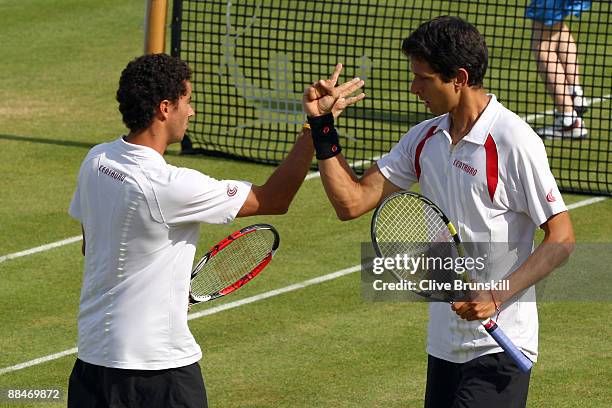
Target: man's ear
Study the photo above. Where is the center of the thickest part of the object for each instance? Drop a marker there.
(462, 79)
(163, 109)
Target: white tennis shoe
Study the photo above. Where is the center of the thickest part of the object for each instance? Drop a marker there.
(565, 126)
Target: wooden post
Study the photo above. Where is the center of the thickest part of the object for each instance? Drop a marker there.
(155, 26)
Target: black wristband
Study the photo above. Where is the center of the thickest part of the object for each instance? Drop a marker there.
(324, 136)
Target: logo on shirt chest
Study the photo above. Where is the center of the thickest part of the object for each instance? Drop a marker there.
(232, 190)
(465, 167)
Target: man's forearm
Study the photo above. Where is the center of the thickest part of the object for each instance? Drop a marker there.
(286, 180)
(340, 183)
(546, 258)
(556, 247)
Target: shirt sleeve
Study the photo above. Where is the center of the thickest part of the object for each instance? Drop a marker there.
(538, 194)
(191, 197)
(75, 206)
(75, 210)
(398, 165)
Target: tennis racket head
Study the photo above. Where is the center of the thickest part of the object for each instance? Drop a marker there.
(233, 262)
(409, 225)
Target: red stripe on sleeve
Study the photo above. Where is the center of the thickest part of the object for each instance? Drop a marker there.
(417, 155)
(492, 163)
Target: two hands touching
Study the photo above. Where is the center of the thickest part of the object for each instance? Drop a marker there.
(325, 97)
(324, 101)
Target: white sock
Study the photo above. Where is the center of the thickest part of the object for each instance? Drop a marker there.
(575, 90)
(568, 118)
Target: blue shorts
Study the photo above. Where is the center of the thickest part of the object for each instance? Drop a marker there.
(550, 12)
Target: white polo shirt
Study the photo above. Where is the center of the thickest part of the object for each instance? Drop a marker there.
(496, 187)
(141, 218)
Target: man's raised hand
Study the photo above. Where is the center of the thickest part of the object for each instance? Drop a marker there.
(324, 96)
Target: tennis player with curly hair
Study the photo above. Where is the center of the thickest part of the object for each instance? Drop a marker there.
(141, 220)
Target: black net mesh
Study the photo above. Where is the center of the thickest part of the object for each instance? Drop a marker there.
(253, 59)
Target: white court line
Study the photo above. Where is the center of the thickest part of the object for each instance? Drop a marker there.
(41, 248)
(38, 361)
(251, 299)
(588, 201)
(272, 293)
(207, 312)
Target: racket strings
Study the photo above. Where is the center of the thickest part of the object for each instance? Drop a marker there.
(408, 220)
(407, 226)
(233, 262)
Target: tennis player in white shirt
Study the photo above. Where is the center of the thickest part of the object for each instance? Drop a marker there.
(488, 172)
(141, 220)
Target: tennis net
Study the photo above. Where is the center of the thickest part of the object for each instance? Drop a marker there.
(253, 59)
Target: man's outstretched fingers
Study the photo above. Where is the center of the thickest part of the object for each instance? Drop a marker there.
(336, 74)
(351, 86)
(342, 103)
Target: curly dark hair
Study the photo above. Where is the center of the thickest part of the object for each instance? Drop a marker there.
(448, 44)
(145, 82)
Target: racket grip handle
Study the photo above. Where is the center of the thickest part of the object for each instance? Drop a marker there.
(524, 364)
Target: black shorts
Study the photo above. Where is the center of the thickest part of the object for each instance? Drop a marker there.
(93, 386)
(492, 380)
